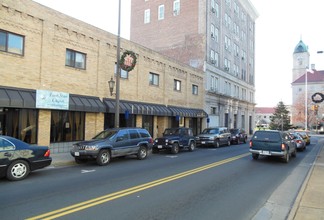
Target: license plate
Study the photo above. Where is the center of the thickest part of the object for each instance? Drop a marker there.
(203, 142)
(76, 154)
(265, 152)
(159, 146)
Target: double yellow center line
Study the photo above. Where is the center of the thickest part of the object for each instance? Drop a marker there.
(106, 198)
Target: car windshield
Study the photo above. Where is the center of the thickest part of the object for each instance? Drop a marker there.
(171, 131)
(266, 136)
(105, 134)
(234, 131)
(210, 131)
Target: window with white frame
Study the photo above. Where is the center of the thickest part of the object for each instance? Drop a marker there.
(216, 59)
(212, 31)
(236, 9)
(212, 56)
(216, 34)
(214, 83)
(161, 12)
(75, 59)
(177, 85)
(11, 43)
(154, 79)
(227, 43)
(236, 50)
(228, 21)
(176, 7)
(217, 10)
(212, 5)
(194, 89)
(147, 16)
(228, 3)
(227, 65)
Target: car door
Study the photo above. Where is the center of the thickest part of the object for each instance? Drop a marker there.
(135, 138)
(7, 151)
(122, 145)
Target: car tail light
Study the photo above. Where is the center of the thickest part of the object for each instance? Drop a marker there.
(151, 141)
(298, 141)
(47, 153)
(251, 144)
(283, 147)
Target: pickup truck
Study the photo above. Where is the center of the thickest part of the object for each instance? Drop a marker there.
(272, 143)
(175, 139)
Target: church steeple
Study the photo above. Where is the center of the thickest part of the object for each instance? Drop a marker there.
(300, 60)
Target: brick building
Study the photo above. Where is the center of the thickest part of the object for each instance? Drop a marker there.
(54, 73)
(215, 36)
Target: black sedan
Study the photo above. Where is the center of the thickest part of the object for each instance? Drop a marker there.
(238, 136)
(18, 158)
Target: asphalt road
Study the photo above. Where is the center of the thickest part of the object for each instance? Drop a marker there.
(223, 183)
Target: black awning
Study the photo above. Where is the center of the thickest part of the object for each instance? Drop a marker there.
(139, 108)
(17, 98)
(86, 104)
(187, 112)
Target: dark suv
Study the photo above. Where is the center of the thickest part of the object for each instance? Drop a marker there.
(111, 143)
(175, 139)
(238, 136)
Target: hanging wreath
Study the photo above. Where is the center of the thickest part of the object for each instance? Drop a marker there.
(317, 97)
(128, 60)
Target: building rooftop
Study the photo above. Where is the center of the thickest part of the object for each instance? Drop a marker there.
(315, 76)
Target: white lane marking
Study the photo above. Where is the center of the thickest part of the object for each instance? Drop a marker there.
(87, 171)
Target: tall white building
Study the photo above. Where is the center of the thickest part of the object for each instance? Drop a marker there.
(216, 36)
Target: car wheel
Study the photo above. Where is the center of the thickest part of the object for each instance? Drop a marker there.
(80, 161)
(18, 170)
(175, 148)
(142, 153)
(192, 146)
(286, 159)
(103, 157)
(217, 144)
(245, 139)
(255, 156)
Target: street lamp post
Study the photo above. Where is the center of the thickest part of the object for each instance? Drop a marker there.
(118, 71)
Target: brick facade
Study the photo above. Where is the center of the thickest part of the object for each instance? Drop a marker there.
(48, 33)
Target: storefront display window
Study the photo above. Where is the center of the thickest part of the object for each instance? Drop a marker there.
(67, 126)
(19, 123)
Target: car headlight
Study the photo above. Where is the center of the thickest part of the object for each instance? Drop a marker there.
(91, 147)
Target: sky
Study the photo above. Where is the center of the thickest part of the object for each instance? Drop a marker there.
(280, 26)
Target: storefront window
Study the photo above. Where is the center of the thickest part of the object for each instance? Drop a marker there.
(20, 124)
(147, 123)
(67, 126)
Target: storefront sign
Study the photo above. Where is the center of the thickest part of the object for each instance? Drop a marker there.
(52, 100)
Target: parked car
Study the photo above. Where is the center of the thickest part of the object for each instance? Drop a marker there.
(300, 142)
(305, 136)
(112, 143)
(272, 143)
(18, 159)
(238, 136)
(214, 136)
(175, 139)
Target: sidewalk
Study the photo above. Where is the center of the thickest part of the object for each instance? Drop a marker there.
(309, 203)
